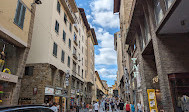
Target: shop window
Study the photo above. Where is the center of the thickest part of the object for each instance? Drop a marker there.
(65, 18)
(20, 14)
(64, 36)
(168, 3)
(29, 70)
(58, 6)
(55, 50)
(57, 27)
(9, 57)
(158, 11)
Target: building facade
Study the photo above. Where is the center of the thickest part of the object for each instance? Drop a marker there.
(58, 59)
(155, 37)
(100, 88)
(16, 25)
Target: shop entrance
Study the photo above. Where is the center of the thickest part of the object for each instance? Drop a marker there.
(179, 87)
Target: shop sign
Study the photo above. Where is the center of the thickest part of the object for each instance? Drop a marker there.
(152, 100)
(72, 91)
(8, 77)
(58, 92)
(67, 78)
(49, 90)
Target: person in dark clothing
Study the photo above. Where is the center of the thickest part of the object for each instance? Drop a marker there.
(112, 106)
(121, 105)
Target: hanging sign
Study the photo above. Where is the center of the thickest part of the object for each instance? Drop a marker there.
(152, 100)
(67, 78)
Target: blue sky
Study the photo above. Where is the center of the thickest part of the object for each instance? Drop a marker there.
(100, 16)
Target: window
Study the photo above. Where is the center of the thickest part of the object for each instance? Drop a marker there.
(146, 31)
(82, 61)
(82, 49)
(79, 32)
(79, 44)
(55, 49)
(82, 73)
(62, 57)
(64, 36)
(20, 15)
(70, 27)
(29, 70)
(74, 51)
(65, 18)
(75, 37)
(158, 11)
(58, 6)
(68, 61)
(78, 70)
(57, 27)
(70, 43)
(168, 3)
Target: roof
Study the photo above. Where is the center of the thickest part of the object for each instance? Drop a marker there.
(82, 11)
(94, 36)
(116, 5)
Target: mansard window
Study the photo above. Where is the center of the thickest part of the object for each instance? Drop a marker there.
(158, 11)
(168, 3)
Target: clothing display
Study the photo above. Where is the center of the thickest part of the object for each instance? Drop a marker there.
(2, 60)
(185, 103)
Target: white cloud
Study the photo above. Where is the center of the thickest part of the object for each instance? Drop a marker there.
(89, 17)
(107, 54)
(107, 73)
(102, 12)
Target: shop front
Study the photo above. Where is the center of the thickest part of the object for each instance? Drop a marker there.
(7, 84)
(49, 95)
(179, 87)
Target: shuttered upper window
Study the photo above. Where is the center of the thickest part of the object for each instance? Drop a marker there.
(69, 43)
(58, 6)
(20, 15)
(57, 26)
(62, 57)
(55, 49)
(64, 36)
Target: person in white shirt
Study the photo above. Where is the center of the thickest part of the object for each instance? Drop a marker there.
(54, 108)
(139, 107)
(96, 107)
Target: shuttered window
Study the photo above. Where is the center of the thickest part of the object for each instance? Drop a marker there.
(57, 26)
(58, 6)
(55, 49)
(62, 57)
(65, 18)
(70, 27)
(70, 43)
(29, 70)
(20, 15)
(64, 36)
(68, 61)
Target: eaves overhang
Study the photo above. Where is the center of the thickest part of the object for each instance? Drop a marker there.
(82, 11)
(68, 10)
(117, 5)
(94, 36)
(73, 5)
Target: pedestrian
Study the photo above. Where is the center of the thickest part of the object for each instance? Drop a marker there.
(90, 108)
(71, 107)
(54, 108)
(96, 107)
(127, 107)
(102, 105)
(132, 107)
(121, 106)
(112, 106)
(139, 107)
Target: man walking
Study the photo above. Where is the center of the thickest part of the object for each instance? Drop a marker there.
(121, 106)
(96, 107)
(139, 107)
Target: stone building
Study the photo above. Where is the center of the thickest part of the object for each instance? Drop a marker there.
(58, 59)
(157, 32)
(106, 86)
(100, 88)
(16, 25)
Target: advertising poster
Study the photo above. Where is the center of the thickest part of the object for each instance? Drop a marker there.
(152, 100)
